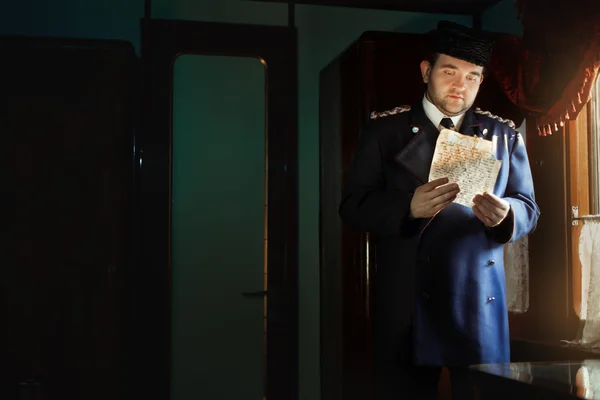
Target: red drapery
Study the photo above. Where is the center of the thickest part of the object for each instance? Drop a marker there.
(549, 72)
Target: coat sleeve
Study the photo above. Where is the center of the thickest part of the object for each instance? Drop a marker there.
(524, 212)
(368, 204)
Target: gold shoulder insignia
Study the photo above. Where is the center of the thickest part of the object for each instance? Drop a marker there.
(397, 110)
(489, 114)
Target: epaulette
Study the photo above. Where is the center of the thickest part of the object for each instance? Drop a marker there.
(393, 111)
(489, 114)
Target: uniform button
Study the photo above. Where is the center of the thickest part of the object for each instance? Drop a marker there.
(425, 295)
(491, 262)
(490, 299)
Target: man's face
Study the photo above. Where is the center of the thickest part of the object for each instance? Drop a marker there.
(452, 84)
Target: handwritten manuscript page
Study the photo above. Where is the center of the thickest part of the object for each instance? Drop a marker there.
(466, 160)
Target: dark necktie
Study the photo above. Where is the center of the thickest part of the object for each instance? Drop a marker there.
(447, 123)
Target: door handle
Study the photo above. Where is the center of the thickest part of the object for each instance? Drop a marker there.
(260, 293)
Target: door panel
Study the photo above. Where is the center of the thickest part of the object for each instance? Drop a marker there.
(218, 227)
(160, 287)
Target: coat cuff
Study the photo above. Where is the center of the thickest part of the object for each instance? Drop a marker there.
(503, 232)
(410, 226)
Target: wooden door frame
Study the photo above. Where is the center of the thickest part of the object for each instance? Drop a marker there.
(162, 42)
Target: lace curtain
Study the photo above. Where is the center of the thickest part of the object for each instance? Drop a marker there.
(589, 255)
(516, 269)
(588, 380)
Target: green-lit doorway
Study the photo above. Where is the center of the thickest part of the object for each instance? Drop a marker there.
(218, 228)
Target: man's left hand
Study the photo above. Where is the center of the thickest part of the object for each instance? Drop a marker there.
(490, 209)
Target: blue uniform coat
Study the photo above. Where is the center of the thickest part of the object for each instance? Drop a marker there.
(439, 289)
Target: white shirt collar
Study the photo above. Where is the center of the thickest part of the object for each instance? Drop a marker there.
(435, 115)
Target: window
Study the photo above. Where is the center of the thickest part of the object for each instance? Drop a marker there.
(595, 147)
(583, 145)
(547, 284)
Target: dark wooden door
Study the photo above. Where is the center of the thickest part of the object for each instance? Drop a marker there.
(172, 243)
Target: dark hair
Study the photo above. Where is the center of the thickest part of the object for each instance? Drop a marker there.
(432, 58)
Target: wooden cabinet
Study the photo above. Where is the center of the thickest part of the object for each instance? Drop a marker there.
(66, 128)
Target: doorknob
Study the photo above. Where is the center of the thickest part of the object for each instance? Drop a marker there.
(260, 293)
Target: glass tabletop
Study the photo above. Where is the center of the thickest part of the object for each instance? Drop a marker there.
(580, 378)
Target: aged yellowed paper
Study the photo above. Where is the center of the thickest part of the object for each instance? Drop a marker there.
(466, 160)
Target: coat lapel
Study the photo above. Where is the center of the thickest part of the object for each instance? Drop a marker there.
(471, 126)
(417, 154)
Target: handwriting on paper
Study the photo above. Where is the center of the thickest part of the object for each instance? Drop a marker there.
(466, 160)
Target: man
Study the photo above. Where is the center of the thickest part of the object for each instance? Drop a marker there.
(439, 287)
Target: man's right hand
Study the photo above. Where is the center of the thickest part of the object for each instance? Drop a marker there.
(432, 197)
